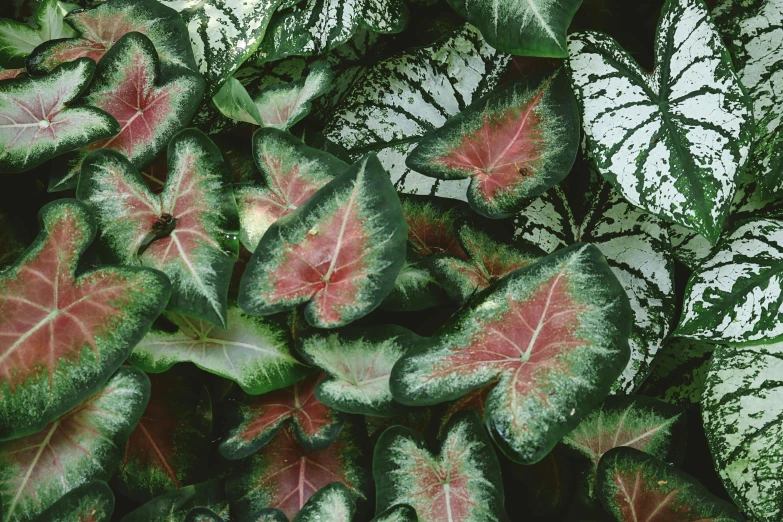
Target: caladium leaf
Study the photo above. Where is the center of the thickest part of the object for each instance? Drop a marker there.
(398, 513)
(282, 106)
(735, 294)
(742, 410)
(314, 424)
(679, 372)
(415, 289)
(638, 422)
(561, 323)
(675, 141)
(92, 502)
(339, 253)
(752, 33)
(169, 447)
(635, 244)
(17, 40)
(150, 107)
(292, 172)
(37, 121)
(283, 475)
(513, 144)
(84, 444)
(637, 486)
(188, 231)
(254, 352)
(9, 74)
(419, 90)
(462, 482)
(333, 503)
(100, 28)
(358, 363)
(431, 223)
(176, 505)
(200, 514)
(64, 332)
(234, 102)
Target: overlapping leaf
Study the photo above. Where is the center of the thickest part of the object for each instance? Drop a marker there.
(404, 97)
(62, 333)
(282, 106)
(462, 482)
(513, 144)
(334, 502)
(254, 352)
(201, 514)
(292, 172)
(561, 324)
(742, 409)
(398, 513)
(84, 444)
(679, 372)
(92, 502)
(431, 224)
(176, 505)
(339, 253)
(37, 121)
(673, 142)
(17, 40)
(188, 231)
(8, 74)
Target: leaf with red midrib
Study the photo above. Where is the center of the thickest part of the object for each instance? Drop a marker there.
(554, 334)
(431, 226)
(514, 144)
(92, 502)
(636, 486)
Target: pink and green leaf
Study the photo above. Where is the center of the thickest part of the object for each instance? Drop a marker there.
(339, 253)
(84, 444)
(514, 144)
(634, 485)
(175, 506)
(291, 173)
(254, 352)
(554, 334)
(101, 28)
(314, 424)
(462, 482)
(63, 333)
(431, 226)
(91, 502)
(170, 445)
(283, 475)
(10, 74)
(37, 121)
(198, 253)
(358, 364)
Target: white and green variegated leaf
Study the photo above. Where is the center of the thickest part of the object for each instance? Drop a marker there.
(402, 98)
(736, 296)
(84, 444)
(679, 372)
(315, 27)
(635, 244)
(332, 503)
(398, 513)
(753, 31)
(675, 141)
(282, 106)
(742, 409)
(17, 40)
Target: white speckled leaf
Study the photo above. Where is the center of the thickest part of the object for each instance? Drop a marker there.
(402, 98)
(742, 409)
(17, 40)
(672, 142)
(736, 296)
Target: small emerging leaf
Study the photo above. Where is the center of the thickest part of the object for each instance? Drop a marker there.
(233, 101)
(282, 106)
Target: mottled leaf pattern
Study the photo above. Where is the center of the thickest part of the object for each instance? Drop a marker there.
(17, 40)
(92, 502)
(175, 506)
(672, 142)
(679, 372)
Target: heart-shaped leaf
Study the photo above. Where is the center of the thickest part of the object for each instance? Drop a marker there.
(100, 28)
(339, 253)
(84, 444)
(672, 142)
(555, 335)
(462, 482)
(292, 172)
(254, 352)
(637, 486)
(752, 32)
(175, 506)
(358, 363)
(17, 40)
(636, 245)
(399, 100)
(169, 447)
(530, 28)
(742, 410)
(513, 144)
(37, 121)
(283, 475)
(679, 372)
(259, 418)
(64, 332)
(638, 422)
(188, 231)
(150, 107)
(333, 503)
(92, 502)
(735, 294)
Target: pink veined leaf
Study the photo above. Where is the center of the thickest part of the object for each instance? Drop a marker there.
(554, 335)
(314, 424)
(7, 74)
(431, 226)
